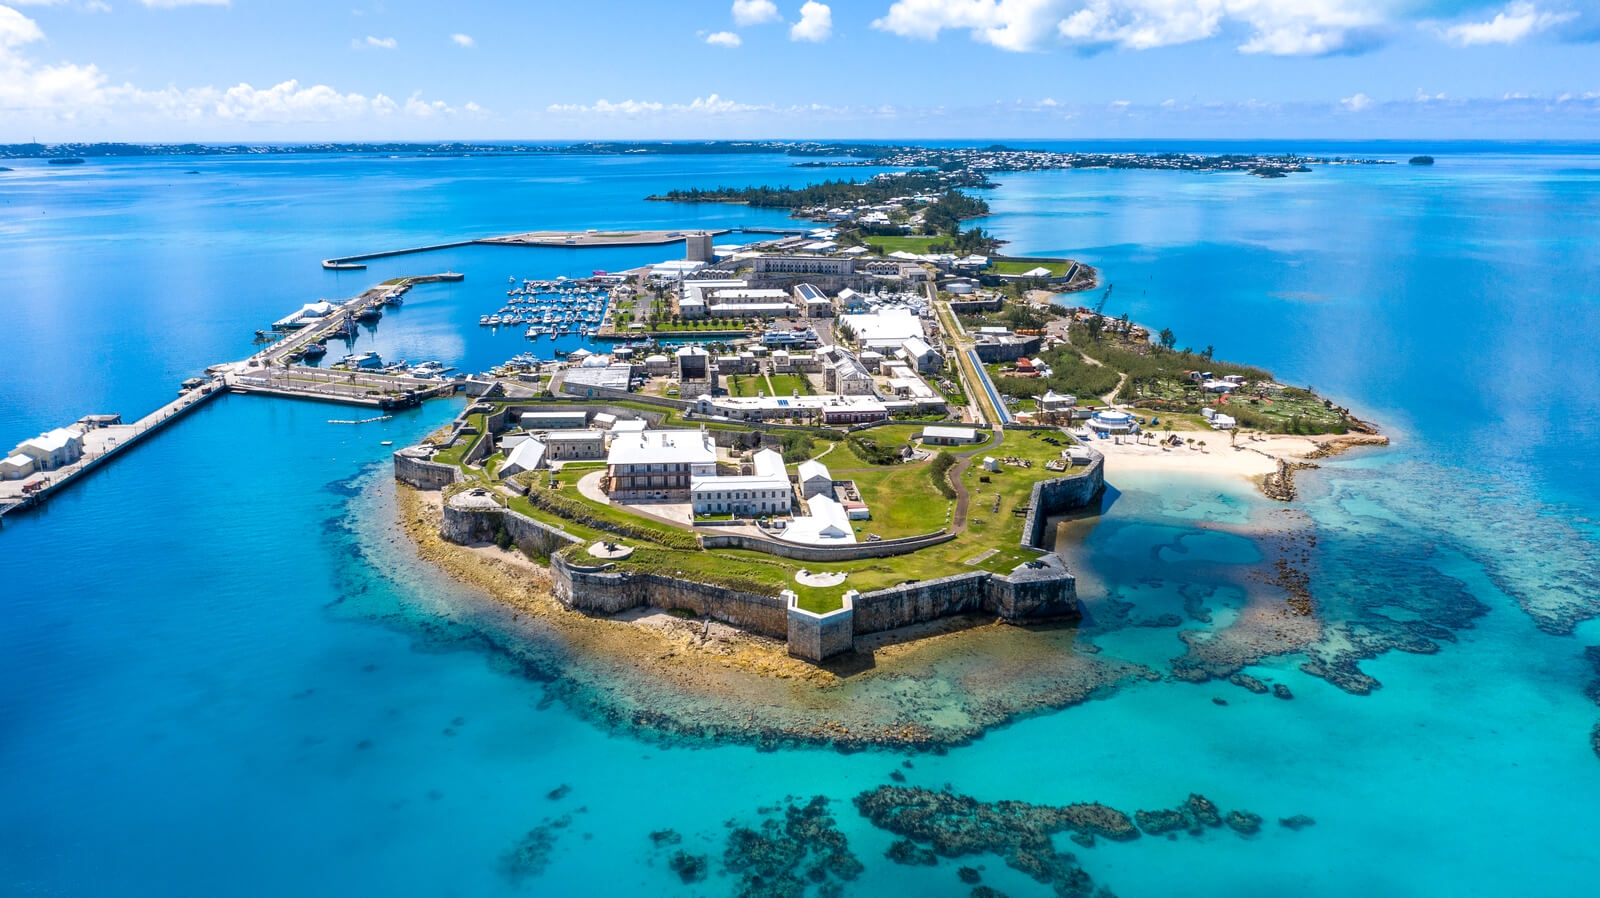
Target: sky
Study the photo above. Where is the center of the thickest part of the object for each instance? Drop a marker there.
(299, 70)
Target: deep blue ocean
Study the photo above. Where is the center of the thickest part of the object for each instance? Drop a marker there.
(217, 675)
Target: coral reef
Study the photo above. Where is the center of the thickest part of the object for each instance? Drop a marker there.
(1297, 822)
(1248, 682)
(1244, 822)
(905, 851)
(531, 853)
(691, 868)
(780, 858)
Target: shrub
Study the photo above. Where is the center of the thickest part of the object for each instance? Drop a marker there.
(939, 471)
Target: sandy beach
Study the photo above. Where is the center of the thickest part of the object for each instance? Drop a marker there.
(1248, 455)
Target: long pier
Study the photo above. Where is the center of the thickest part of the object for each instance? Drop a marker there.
(102, 444)
(567, 239)
(266, 373)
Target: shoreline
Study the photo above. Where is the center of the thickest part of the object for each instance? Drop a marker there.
(1266, 460)
(659, 676)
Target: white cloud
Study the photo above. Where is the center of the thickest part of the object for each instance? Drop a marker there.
(1516, 22)
(708, 105)
(381, 43)
(171, 4)
(462, 40)
(1280, 27)
(17, 29)
(71, 94)
(815, 25)
(723, 39)
(1357, 102)
(755, 12)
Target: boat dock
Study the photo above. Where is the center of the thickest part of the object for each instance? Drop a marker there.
(269, 372)
(100, 445)
(570, 239)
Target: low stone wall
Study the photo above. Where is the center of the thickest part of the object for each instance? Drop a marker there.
(473, 525)
(1051, 497)
(611, 592)
(881, 549)
(422, 473)
(921, 601)
(1048, 591)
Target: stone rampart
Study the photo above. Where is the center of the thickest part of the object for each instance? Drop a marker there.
(817, 637)
(612, 591)
(1062, 494)
(422, 473)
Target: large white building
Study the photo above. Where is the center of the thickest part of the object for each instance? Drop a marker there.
(886, 330)
(658, 464)
(831, 409)
(54, 449)
(765, 491)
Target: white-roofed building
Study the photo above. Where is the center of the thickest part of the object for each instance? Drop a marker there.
(948, 436)
(527, 456)
(827, 524)
(815, 479)
(887, 329)
(630, 425)
(53, 449)
(1052, 401)
(765, 491)
(16, 467)
(921, 355)
(658, 464)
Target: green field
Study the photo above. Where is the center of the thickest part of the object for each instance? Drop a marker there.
(1057, 269)
(903, 244)
(787, 384)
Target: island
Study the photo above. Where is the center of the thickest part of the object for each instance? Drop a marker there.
(857, 448)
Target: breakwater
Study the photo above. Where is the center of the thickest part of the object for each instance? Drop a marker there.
(568, 239)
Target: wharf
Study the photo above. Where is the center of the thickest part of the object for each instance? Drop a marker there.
(266, 373)
(101, 444)
(570, 239)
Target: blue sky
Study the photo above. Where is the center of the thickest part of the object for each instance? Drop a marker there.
(264, 70)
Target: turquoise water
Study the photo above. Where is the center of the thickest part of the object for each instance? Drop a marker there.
(221, 673)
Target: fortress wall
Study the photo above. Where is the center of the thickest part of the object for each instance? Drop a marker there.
(423, 474)
(1052, 497)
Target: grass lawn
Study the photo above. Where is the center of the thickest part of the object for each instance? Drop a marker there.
(746, 385)
(1057, 269)
(787, 384)
(903, 244)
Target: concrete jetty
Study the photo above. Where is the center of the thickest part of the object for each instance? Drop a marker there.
(100, 445)
(268, 372)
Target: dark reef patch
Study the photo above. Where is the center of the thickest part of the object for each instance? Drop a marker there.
(945, 824)
(691, 868)
(531, 853)
(782, 857)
